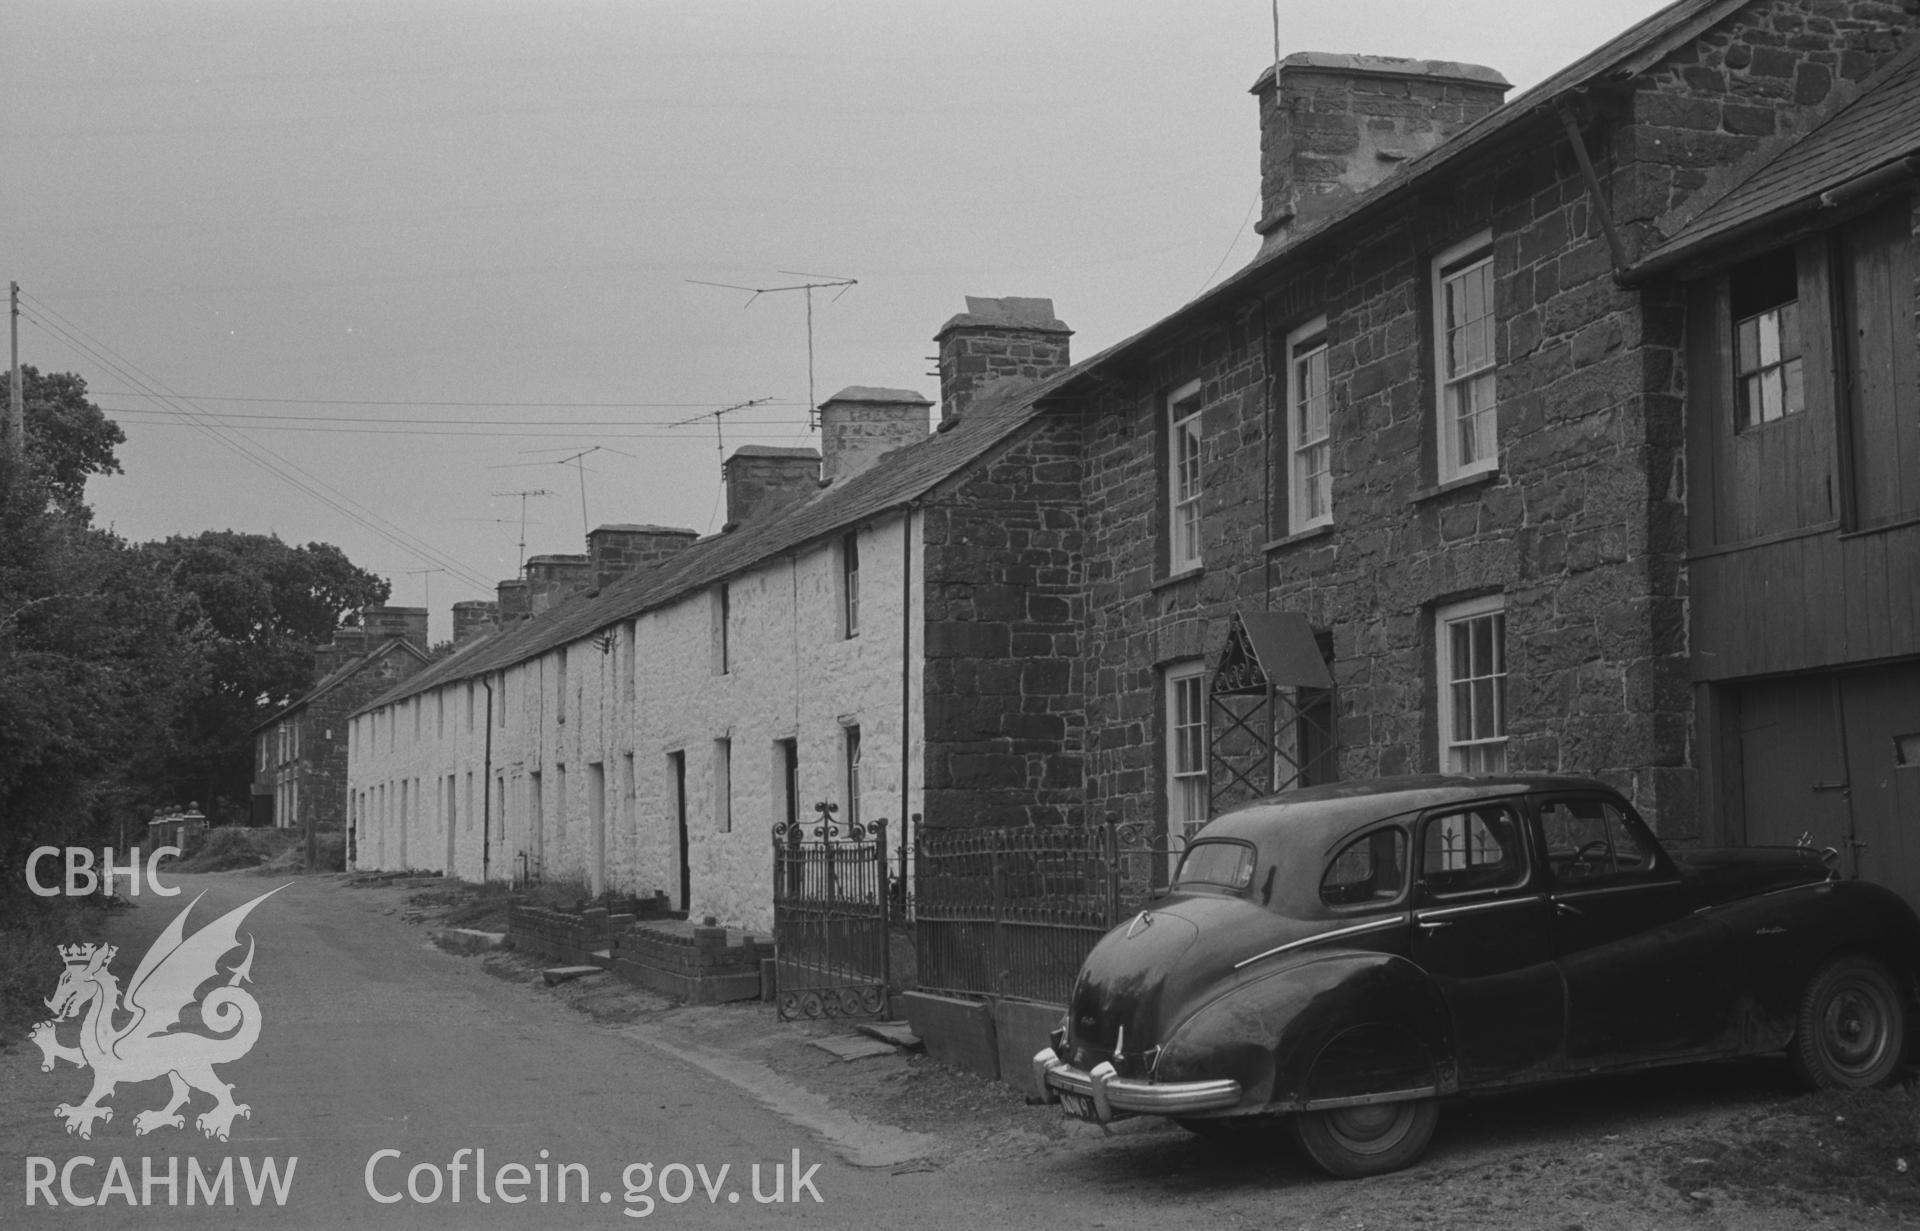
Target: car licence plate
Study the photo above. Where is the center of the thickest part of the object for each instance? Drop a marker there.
(1079, 1106)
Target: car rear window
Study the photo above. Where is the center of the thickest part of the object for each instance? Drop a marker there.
(1216, 865)
(1371, 868)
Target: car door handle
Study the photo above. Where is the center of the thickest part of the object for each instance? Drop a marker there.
(1434, 926)
(1566, 909)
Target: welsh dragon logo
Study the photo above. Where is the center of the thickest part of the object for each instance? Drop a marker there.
(138, 1038)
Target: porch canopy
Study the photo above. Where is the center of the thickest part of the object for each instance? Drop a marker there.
(1270, 713)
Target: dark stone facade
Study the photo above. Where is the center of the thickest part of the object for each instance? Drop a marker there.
(1005, 604)
(1581, 530)
(311, 756)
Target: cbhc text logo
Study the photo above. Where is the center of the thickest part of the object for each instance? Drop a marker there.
(81, 879)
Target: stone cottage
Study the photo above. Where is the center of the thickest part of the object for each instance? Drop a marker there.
(300, 754)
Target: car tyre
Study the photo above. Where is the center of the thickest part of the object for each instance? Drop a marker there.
(1350, 1142)
(1851, 1028)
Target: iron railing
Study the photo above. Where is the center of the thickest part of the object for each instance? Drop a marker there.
(1013, 912)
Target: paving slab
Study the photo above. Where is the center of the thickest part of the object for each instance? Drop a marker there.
(849, 1047)
(566, 974)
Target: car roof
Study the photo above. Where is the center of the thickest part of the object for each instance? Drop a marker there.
(1326, 812)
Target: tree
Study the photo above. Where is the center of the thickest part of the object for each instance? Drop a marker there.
(98, 652)
(68, 437)
(264, 607)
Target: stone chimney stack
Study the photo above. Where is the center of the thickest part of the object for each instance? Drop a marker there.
(858, 424)
(394, 624)
(514, 603)
(551, 578)
(1333, 126)
(473, 619)
(615, 551)
(760, 478)
(997, 340)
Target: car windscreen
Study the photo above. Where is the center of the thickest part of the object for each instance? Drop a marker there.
(1216, 866)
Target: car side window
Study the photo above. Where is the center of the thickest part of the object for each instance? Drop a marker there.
(1472, 849)
(1371, 868)
(1589, 842)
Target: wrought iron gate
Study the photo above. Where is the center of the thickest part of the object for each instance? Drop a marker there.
(830, 917)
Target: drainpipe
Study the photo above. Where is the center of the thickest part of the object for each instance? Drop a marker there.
(486, 788)
(906, 679)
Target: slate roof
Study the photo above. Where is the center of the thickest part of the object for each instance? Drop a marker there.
(1620, 59)
(340, 675)
(897, 477)
(1878, 129)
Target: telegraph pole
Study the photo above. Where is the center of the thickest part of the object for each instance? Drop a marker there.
(16, 397)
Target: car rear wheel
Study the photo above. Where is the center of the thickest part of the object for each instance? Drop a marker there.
(1851, 1028)
(1350, 1142)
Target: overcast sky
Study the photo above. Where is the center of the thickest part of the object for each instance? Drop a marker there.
(347, 271)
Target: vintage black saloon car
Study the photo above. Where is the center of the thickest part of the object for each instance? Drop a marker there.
(1348, 955)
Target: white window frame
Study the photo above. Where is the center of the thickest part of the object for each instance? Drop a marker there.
(1185, 701)
(1185, 481)
(1309, 457)
(723, 784)
(850, 583)
(850, 736)
(1452, 268)
(1463, 752)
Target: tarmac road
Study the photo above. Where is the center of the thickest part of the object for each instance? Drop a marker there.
(381, 1059)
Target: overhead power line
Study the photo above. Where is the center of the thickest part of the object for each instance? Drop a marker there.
(159, 419)
(292, 401)
(71, 334)
(438, 421)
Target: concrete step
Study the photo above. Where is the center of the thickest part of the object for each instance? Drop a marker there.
(469, 940)
(603, 958)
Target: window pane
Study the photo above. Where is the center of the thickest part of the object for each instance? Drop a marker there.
(1372, 868)
(1769, 327)
(1483, 709)
(1227, 865)
(1746, 341)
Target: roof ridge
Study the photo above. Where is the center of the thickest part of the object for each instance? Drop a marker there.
(895, 478)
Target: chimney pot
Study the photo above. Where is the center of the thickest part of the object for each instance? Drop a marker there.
(551, 578)
(473, 619)
(1334, 126)
(760, 478)
(1015, 338)
(860, 423)
(382, 624)
(615, 551)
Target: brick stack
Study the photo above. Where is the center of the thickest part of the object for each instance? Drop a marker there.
(704, 965)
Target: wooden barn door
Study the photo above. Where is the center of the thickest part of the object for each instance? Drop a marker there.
(1881, 709)
(1836, 757)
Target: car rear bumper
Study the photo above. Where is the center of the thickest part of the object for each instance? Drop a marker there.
(1102, 1095)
